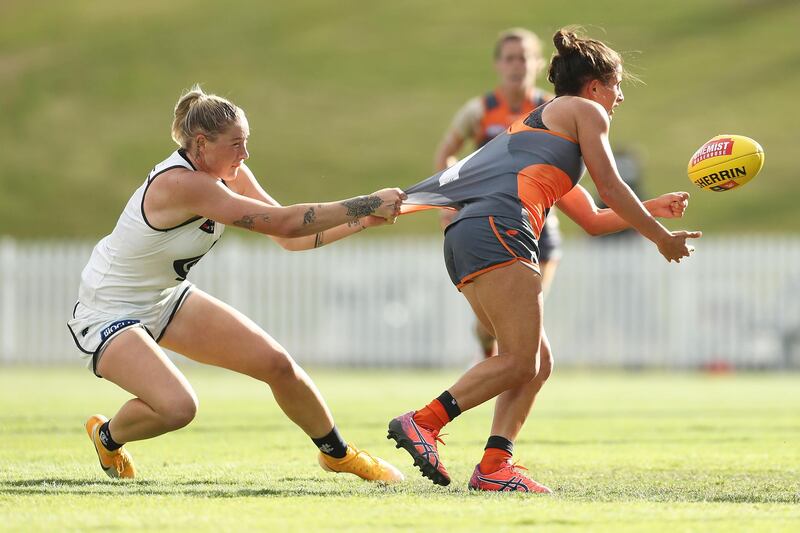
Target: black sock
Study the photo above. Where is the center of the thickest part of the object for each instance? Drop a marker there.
(450, 404)
(501, 443)
(332, 444)
(105, 437)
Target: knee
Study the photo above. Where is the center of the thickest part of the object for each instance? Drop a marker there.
(182, 410)
(545, 366)
(276, 366)
(520, 371)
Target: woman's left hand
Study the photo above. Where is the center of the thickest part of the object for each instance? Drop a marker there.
(670, 205)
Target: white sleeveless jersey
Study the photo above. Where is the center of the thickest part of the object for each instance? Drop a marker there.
(138, 265)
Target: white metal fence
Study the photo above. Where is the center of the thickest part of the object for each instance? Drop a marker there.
(389, 302)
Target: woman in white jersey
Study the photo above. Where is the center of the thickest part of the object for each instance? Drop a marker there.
(134, 298)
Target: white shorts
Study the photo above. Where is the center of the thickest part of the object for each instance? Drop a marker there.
(92, 329)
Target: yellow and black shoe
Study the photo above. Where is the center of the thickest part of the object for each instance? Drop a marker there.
(116, 464)
(362, 464)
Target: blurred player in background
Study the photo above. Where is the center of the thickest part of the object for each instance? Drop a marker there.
(503, 192)
(134, 298)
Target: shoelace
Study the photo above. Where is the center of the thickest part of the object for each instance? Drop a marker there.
(369, 455)
(363, 453)
(517, 466)
(438, 438)
(353, 457)
(119, 463)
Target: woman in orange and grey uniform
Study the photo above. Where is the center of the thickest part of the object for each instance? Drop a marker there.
(518, 61)
(503, 192)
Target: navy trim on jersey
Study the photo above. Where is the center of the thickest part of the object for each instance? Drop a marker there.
(534, 120)
(182, 153)
(144, 194)
(182, 297)
(490, 101)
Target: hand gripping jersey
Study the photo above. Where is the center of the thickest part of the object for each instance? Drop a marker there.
(138, 265)
(520, 174)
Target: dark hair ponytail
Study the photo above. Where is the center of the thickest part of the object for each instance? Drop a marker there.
(578, 60)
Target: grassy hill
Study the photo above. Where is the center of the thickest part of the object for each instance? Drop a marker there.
(347, 97)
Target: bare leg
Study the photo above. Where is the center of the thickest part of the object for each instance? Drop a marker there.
(513, 406)
(164, 399)
(212, 332)
(509, 301)
(485, 337)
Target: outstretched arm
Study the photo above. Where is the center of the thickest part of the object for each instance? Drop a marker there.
(579, 205)
(592, 127)
(202, 194)
(253, 189)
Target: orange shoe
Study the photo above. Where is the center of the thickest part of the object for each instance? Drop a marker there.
(362, 464)
(507, 478)
(116, 464)
(421, 444)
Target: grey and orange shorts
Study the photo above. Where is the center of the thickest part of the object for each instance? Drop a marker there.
(476, 245)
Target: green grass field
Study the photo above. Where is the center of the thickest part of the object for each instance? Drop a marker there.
(623, 452)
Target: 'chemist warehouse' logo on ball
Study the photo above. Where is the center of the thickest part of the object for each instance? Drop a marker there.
(714, 148)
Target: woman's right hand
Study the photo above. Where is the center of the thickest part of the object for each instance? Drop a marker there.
(391, 199)
(674, 246)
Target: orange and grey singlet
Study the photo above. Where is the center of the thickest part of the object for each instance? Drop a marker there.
(520, 174)
(516, 178)
(497, 115)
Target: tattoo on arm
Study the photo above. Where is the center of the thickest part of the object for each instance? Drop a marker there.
(362, 206)
(309, 216)
(249, 221)
(318, 240)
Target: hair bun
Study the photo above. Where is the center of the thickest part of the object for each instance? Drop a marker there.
(565, 41)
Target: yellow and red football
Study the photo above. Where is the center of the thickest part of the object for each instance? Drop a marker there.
(726, 162)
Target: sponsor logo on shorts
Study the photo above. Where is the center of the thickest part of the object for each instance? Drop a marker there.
(115, 327)
(714, 148)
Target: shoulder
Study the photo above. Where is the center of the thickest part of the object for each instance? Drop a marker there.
(578, 108)
(473, 107)
(468, 117)
(182, 183)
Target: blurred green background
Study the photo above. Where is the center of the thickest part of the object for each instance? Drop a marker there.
(347, 97)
